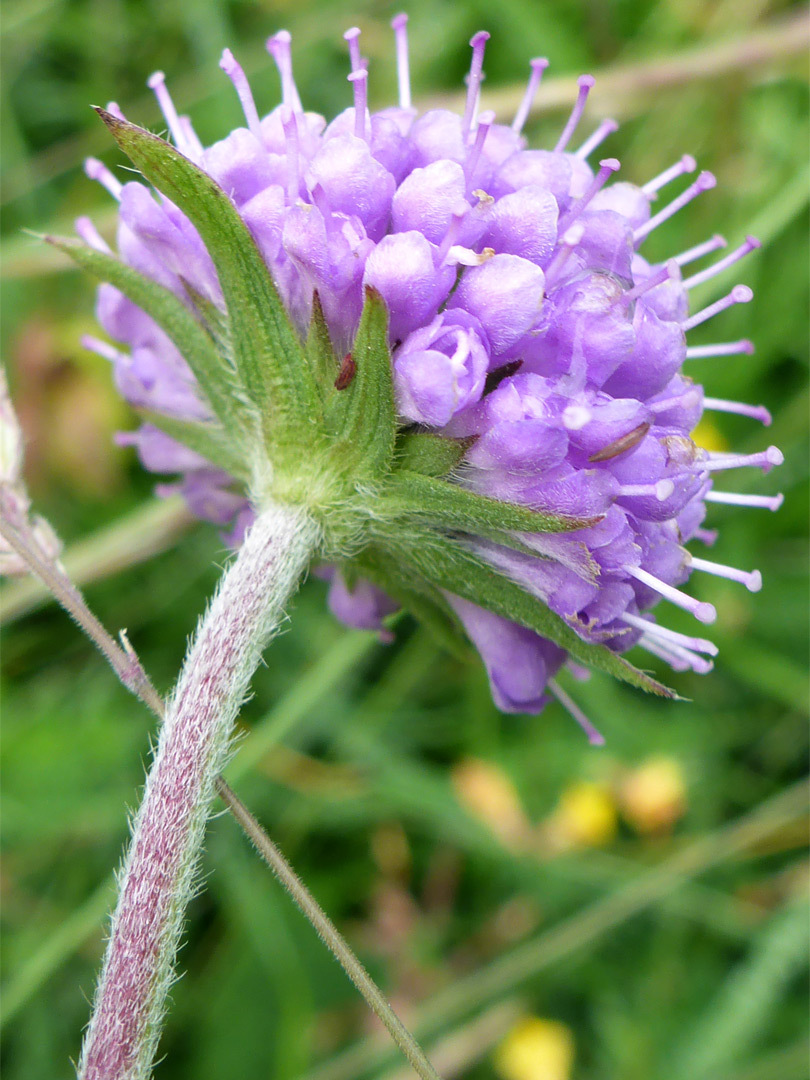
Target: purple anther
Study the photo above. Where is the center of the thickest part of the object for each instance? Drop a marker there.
(740, 294)
(114, 109)
(703, 611)
(595, 737)
(704, 182)
(751, 579)
(538, 65)
(699, 250)
(359, 81)
(751, 244)
(97, 170)
(726, 348)
(399, 24)
(237, 76)
(478, 42)
(585, 83)
(279, 48)
(687, 164)
(607, 167)
(756, 412)
(606, 128)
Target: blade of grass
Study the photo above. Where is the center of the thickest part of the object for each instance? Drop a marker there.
(506, 973)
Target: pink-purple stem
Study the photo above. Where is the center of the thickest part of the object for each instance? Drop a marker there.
(159, 872)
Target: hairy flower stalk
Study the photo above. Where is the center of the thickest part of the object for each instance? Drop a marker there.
(158, 877)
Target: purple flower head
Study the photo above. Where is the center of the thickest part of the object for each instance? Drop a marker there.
(526, 330)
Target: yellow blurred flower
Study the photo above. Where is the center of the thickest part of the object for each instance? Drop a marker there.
(653, 796)
(708, 436)
(536, 1049)
(585, 816)
(485, 790)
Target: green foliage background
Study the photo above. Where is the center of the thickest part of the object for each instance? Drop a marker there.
(679, 955)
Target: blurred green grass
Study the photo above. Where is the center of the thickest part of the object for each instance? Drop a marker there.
(352, 751)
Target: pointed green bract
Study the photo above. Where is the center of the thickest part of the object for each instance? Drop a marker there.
(450, 506)
(266, 348)
(217, 381)
(420, 599)
(320, 355)
(208, 440)
(362, 414)
(449, 566)
(429, 455)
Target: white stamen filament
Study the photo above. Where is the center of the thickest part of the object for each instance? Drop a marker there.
(99, 347)
(705, 536)
(538, 65)
(585, 84)
(352, 39)
(732, 498)
(653, 629)
(194, 148)
(756, 412)
(704, 182)
(607, 167)
(237, 76)
(752, 579)
(727, 348)
(290, 126)
(399, 24)
(96, 170)
(661, 489)
(478, 43)
(87, 231)
(703, 611)
(699, 250)
(157, 84)
(595, 738)
(485, 122)
(740, 294)
(678, 658)
(751, 244)
(687, 164)
(764, 460)
(570, 240)
(606, 128)
(114, 109)
(661, 651)
(687, 400)
(279, 48)
(359, 81)
(668, 272)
